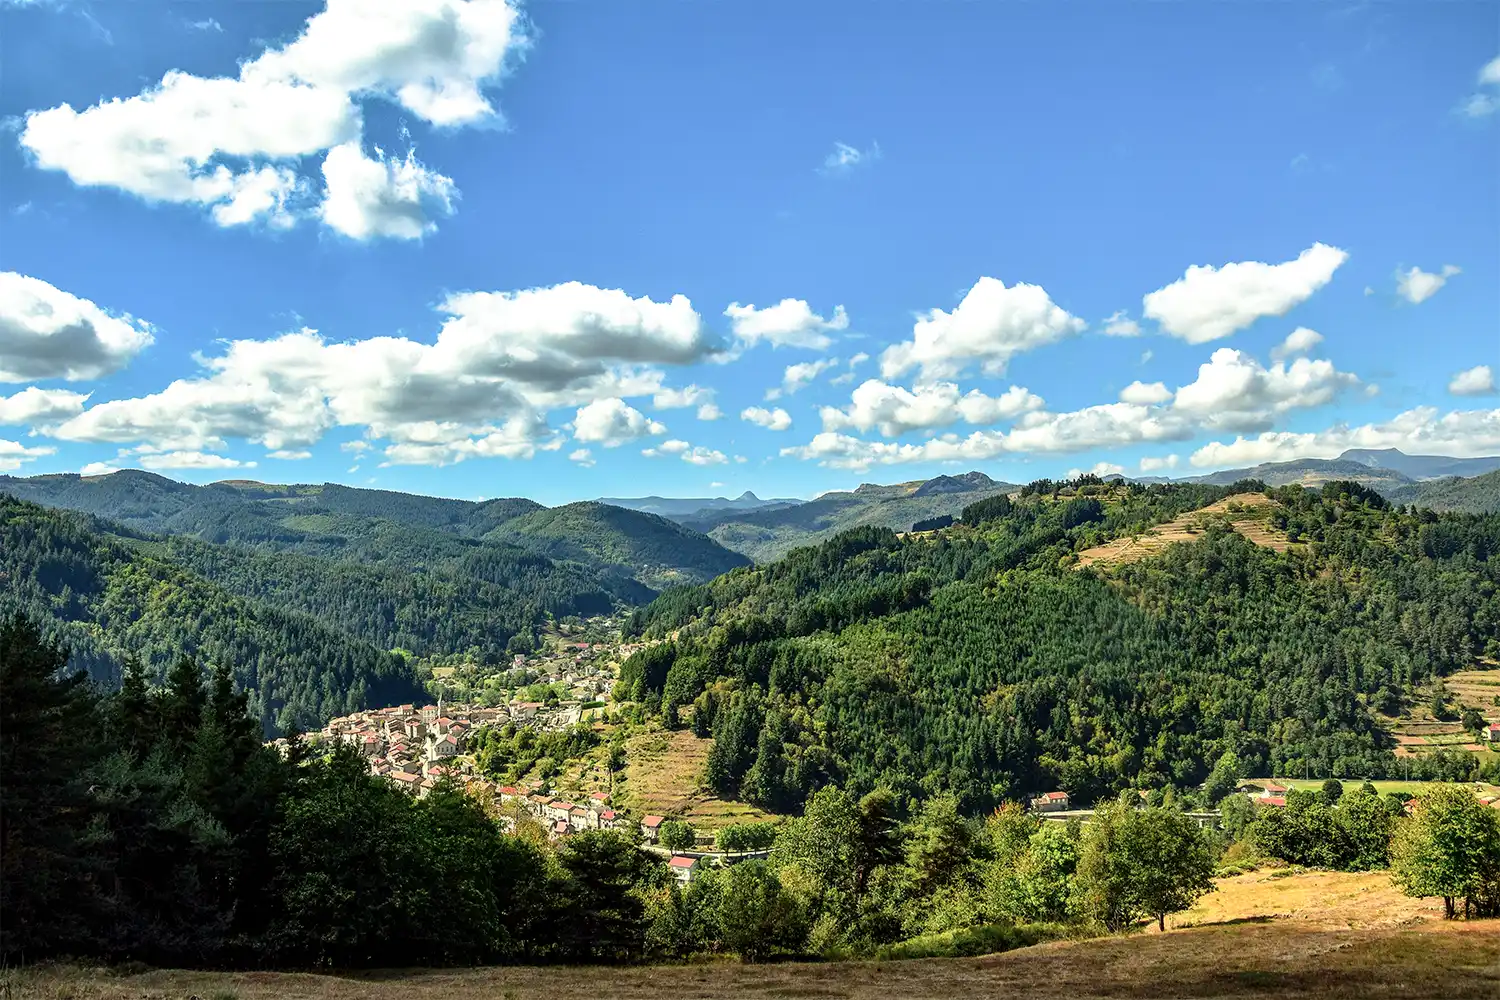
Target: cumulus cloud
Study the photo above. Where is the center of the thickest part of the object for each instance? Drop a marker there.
(289, 454)
(613, 422)
(772, 420)
(13, 455)
(1145, 393)
(1120, 325)
(46, 332)
(1159, 464)
(789, 323)
(688, 453)
(582, 456)
(1476, 381)
(40, 406)
(1106, 426)
(191, 460)
(1422, 430)
(991, 324)
(235, 144)
(1417, 286)
(500, 362)
(895, 410)
(367, 197)
(1233, 391)
(98, 469)
(800, 376)
(1100, 469)
(1208, 303)
(1297, 343)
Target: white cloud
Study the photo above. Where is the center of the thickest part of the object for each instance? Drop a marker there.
(1297, 343)
(1418, 431)
(1145, 393)
(1120, 325)
(1233, 391)
(365, 198)
(688, 453)
(1149, 464)
(191, 460)
(613, 422)
(1476, 381)
(989, 326)
(289, 455)
(772, 420)
(709, 411)
(582, 456)
(895, 410)
(13, 455)
(678, 399)
(1482, 104)
(789, 323)
(234, 144)
(355, 447)
(98, 469)
(1208, 303)
(1106, 426)
(846, 158)
(499, 363)
(800, 376)
(40, 406)
(1417, 286)
(47, 333)
(1100, 469)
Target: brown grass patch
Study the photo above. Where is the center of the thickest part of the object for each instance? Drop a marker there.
(664, 777)
(1250, 516)
(1282, 959)
(1328, 900)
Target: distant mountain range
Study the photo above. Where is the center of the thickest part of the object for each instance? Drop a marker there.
(769, 532)
(349, 524)
(680, 508)
(1386, 467)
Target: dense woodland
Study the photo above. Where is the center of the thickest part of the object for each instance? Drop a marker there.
(978, 661)
(153, 825)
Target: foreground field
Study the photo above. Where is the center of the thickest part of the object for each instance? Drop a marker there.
(1279, 959)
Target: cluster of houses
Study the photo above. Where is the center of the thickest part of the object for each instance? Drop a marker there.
(560, 816)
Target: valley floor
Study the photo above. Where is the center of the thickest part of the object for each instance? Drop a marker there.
(1316, 934)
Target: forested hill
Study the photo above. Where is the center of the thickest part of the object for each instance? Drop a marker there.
(770, 532)
(110, 597)
(980, 659)
(626, 549)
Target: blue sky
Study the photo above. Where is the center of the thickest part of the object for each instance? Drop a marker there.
(470, 249)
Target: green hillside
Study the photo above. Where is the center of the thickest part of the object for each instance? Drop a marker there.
(770, 533)
(624, 552)
(1476, 495)
(659, 552)
(979, 659)
(109, 597)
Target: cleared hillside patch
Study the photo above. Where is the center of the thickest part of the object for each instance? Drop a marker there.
(1248, 513)
(664, 777)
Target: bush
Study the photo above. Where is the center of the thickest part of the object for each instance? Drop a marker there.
(986, 939)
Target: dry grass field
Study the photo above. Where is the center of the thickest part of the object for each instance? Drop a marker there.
(663, 776)
(1249, 513)
(1280, 958)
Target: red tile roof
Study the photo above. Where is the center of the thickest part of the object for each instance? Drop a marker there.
(1273, 800)
(678, 861)
(652, 821)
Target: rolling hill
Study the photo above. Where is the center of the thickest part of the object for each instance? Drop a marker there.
(772, 532)
(622, 547)
(987, 661)
(110, 595)
(1476, 495)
